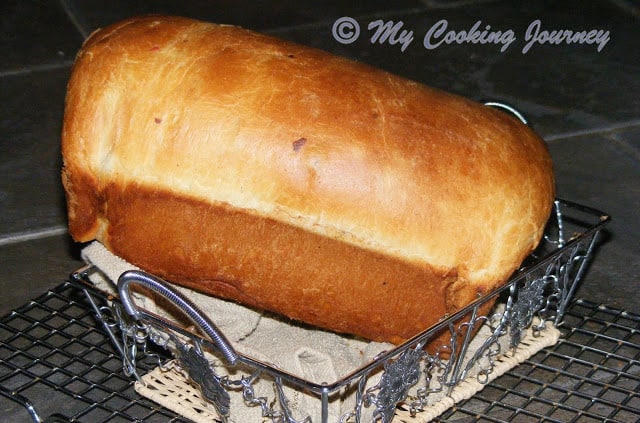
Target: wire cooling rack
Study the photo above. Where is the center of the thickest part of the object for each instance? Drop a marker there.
(56, 364)
(591, 375)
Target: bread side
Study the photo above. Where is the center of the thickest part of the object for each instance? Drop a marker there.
(293, 180)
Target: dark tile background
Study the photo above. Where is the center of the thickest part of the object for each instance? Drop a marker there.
(584, 102)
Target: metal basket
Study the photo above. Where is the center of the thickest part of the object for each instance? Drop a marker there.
(408, 375)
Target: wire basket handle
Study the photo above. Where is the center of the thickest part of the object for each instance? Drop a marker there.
(159, 286)
(506, 108)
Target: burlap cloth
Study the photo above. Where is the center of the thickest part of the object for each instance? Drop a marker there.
(314, 355)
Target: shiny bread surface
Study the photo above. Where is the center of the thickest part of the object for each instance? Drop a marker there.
(293, 180)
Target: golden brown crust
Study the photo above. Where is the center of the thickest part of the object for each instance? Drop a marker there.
(265, 264)
(209, 153)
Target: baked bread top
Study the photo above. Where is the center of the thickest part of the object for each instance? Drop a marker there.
(226, 116)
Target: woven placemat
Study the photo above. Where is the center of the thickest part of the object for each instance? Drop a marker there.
(469, 386)
(168, 386)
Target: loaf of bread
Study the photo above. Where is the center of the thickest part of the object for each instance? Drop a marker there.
(291, 180)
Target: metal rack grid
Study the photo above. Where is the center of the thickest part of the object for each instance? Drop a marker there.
(591, 375)
(54, 357)
(56, 364)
